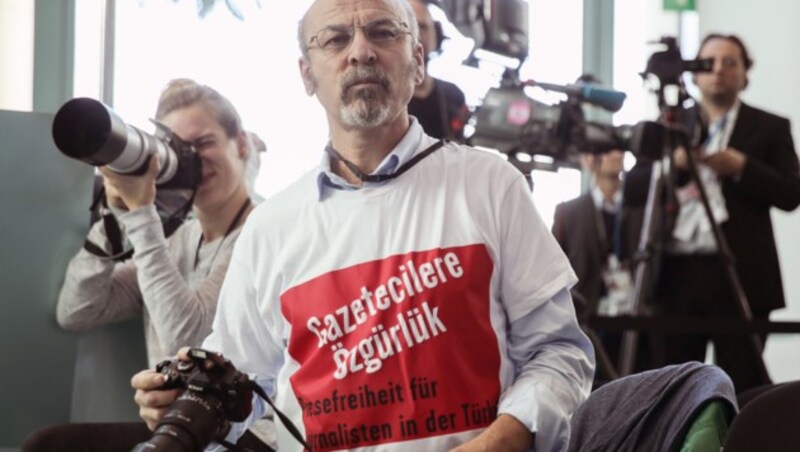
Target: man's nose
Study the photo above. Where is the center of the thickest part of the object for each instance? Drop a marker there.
(361, 49)
(719, 65)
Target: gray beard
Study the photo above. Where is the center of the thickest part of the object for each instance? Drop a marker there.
(365, 111)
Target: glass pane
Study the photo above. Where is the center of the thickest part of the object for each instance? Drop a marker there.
(89, 24)
(252, 62)
(16, 55)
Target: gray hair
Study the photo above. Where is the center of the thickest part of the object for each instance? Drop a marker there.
(410, 20)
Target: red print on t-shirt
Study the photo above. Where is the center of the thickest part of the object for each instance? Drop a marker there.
(395, 349)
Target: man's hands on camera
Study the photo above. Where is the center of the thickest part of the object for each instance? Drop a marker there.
(153, 401)
(131, 192)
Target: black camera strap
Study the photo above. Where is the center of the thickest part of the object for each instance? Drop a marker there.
(114, 232)
(284, 419)
(382, 177)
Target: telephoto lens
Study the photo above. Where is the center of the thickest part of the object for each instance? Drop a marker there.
(216, 394)
(191, 423)
(86, 129)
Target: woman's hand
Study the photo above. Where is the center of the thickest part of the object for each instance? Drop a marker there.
(131, 192)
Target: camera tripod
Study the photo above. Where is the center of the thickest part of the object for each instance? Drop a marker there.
(659, 205)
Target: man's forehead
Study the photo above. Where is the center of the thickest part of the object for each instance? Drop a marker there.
(718, 46)
(329, 12)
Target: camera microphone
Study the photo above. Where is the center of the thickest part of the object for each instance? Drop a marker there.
(607, 99)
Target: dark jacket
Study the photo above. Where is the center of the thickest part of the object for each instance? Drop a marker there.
(577, 228)
(771, 178)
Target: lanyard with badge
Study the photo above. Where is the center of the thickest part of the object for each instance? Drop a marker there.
(616, 274)
(692, 219)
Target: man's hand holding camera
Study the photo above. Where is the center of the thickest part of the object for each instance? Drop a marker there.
(152, 398)
(131, 192)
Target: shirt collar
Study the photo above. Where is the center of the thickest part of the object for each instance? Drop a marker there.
(606, 206)
(327, 180)
(719, 132)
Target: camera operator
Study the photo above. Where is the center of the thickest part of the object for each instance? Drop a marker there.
(438, 105)
(422, 304)
(173, 283)
(748, 165)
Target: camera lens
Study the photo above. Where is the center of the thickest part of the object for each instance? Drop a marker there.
(87, 130)
(191, 423)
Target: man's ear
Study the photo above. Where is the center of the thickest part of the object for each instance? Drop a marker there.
(418, 52)
(308, 78)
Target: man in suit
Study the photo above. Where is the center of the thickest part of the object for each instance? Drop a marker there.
(587, 227)
(748, 165)
(599, 237)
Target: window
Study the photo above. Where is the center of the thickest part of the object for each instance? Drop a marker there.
(16, 55)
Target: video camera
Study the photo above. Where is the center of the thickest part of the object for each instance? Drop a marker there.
(88, 130)
(513, 123)
(668, 65)
(216, 393)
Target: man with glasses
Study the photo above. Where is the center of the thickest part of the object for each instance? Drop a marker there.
(404, 295)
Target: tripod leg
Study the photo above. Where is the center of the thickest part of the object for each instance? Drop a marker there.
(648, 252)
(755, 343)
(604, 363)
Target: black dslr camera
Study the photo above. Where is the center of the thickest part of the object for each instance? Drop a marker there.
(216, 393)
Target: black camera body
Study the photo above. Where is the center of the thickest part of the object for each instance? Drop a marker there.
(668, 65)
(216, 393)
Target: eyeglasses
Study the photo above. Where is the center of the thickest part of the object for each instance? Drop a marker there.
(381, 32)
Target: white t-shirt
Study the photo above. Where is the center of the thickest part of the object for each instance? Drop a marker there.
(381, 316)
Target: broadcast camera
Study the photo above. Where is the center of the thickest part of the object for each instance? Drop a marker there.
(513, 123)
(88, 130)
(216, 393)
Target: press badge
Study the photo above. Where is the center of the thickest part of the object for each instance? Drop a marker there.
(617, 278)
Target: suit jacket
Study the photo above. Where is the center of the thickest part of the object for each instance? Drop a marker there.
(577, 228)
(770, 178)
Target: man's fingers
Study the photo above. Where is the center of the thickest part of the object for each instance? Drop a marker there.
(156, 399)
(151, 416)
(183, 353)
(147, 380)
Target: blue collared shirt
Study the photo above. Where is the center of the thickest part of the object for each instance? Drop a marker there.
(327, 180)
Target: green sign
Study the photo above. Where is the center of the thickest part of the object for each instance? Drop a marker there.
(679, 5)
